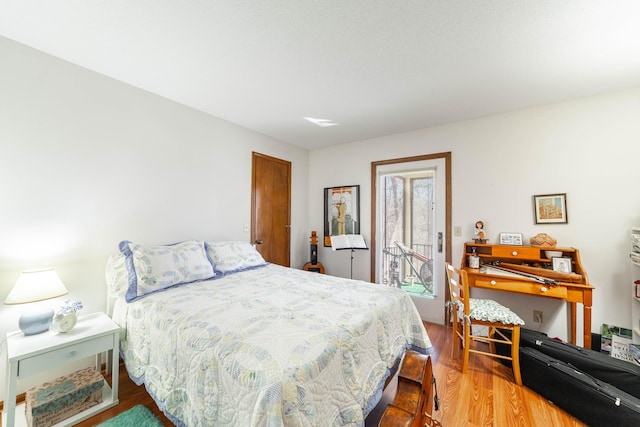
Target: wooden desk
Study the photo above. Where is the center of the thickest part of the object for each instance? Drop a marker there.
(574, 290)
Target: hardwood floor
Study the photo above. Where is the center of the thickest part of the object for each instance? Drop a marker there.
(485, 396)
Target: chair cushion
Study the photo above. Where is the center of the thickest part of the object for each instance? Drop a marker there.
(491, 311)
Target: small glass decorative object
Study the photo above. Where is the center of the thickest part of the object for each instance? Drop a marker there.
(474, 259)
(65, 319)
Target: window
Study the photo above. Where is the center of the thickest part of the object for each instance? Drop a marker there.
(408, 226)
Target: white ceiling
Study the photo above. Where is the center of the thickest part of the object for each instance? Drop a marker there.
(375, 67)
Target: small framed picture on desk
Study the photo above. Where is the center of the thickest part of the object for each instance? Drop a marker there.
(511, 239)
(561, 264)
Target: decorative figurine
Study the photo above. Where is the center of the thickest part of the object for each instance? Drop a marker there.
(480, 236)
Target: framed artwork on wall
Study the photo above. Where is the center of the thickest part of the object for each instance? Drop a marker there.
(341, 211)
(550, 208)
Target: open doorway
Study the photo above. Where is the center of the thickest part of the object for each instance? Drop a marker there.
(411, 207)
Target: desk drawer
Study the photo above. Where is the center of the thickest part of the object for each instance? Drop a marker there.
(516, 252)
(530, 288)
(70, 353)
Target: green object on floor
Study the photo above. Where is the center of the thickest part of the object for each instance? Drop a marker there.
(138, 416)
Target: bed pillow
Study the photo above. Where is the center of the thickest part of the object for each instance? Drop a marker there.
(116, 275)
(153, 268)
(231, 257)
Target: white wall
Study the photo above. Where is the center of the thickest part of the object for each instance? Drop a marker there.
(588, 148)
(87, 161)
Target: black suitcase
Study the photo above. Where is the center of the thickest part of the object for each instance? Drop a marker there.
(619, 373)
(590, 400)
(528, 338)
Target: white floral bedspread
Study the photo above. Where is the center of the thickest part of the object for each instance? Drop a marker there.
(271, 346)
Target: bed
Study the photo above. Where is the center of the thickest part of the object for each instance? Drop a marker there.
(220, 337)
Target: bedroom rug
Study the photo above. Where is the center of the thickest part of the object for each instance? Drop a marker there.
(138, 416)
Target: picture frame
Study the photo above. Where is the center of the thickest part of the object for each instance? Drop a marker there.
(514, 239)
(341, 211)
(550, 208)
(561, 264)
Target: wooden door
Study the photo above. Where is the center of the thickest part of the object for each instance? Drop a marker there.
(271, 208)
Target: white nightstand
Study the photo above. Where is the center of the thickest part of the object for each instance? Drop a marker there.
(28, 355)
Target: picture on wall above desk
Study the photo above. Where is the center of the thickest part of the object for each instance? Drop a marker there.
(550, 208)
(341, 211)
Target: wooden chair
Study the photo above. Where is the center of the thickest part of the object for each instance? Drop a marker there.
(466, 312)
(412, 405)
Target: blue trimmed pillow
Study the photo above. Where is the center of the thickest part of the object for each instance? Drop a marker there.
(116, 275)
(153, 268)
(231, 257)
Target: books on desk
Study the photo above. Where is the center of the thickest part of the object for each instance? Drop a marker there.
(348, 241)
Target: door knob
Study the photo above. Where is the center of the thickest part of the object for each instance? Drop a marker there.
(258, 242)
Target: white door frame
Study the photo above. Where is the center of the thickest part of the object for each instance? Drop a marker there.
(446, 228)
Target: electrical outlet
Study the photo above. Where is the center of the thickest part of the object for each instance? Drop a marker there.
(537, 316)
(457, 231)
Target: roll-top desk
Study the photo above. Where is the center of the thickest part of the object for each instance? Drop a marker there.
(529, 272)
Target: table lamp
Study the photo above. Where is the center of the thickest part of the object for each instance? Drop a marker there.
(32, 286)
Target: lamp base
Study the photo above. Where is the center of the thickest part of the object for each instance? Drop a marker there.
(36, 322)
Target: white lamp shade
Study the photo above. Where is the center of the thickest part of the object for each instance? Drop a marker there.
(36, 285)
